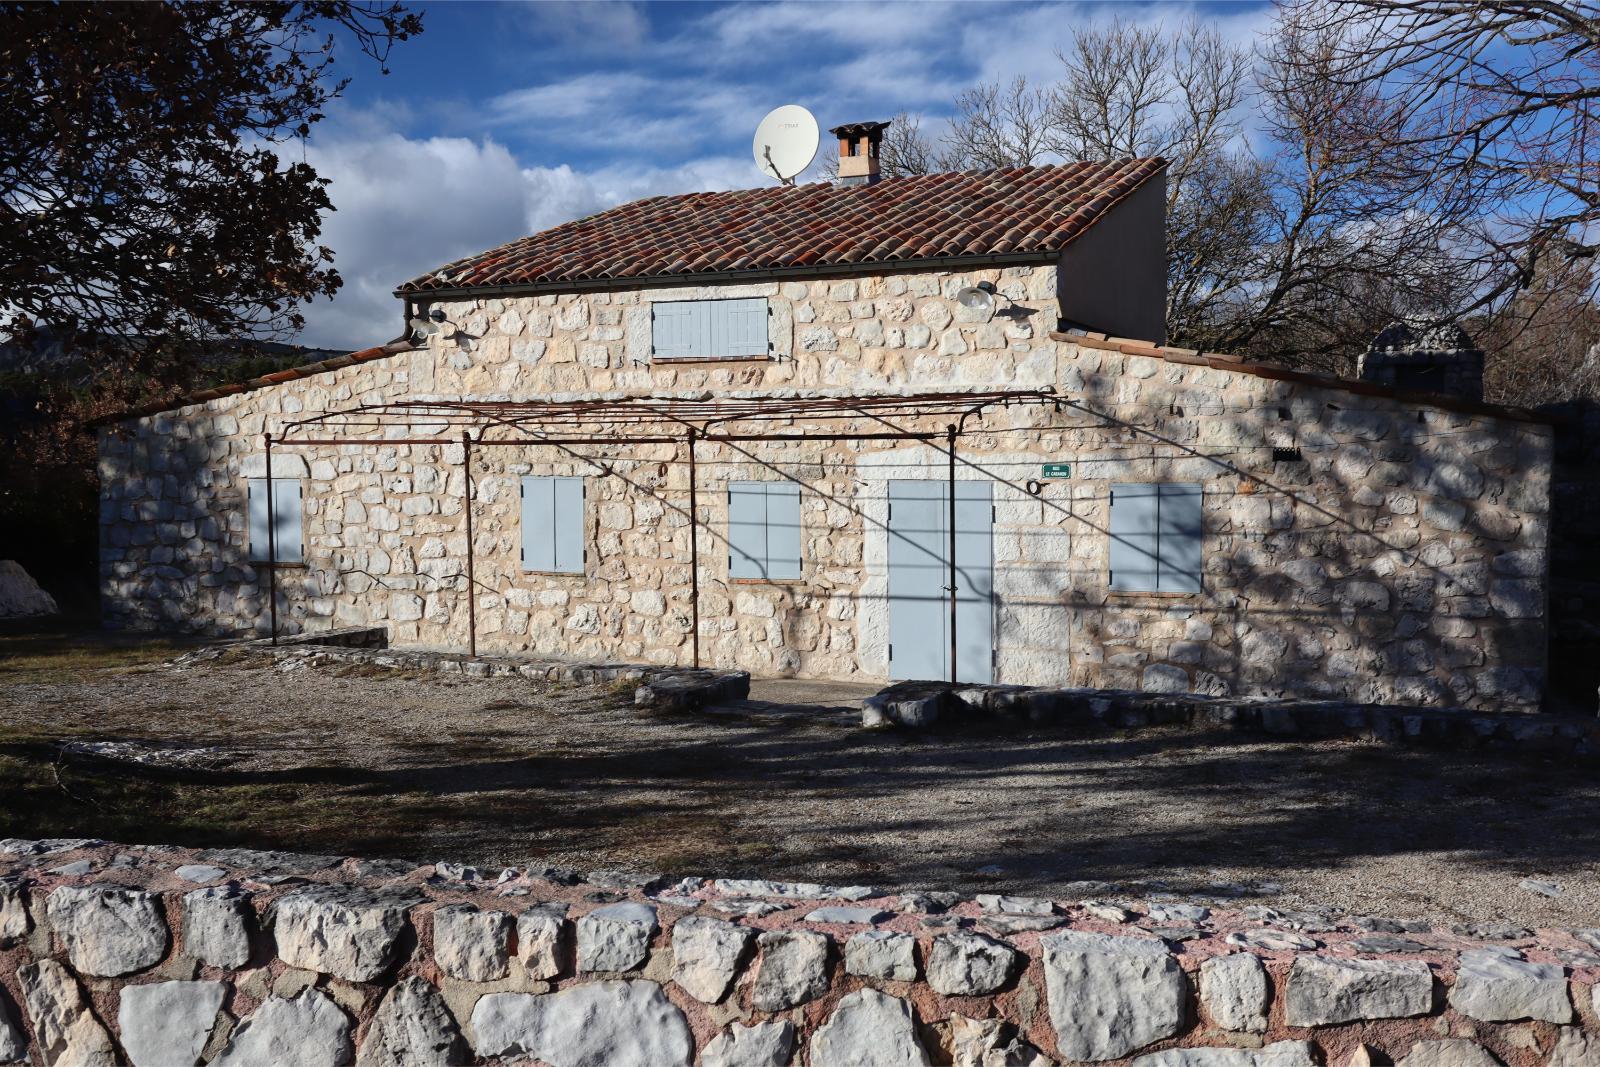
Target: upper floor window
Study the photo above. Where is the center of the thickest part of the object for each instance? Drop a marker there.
(709, 329)
(287, 543)
(1156, 536)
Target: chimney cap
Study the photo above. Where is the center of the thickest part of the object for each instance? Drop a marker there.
(1423, 335)
(859, 129)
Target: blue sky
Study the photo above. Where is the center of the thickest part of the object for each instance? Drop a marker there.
(506, 118)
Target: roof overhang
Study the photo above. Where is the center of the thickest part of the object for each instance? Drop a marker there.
(737, 277)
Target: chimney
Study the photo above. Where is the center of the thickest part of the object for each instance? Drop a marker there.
(1426, 358)
(858, 151)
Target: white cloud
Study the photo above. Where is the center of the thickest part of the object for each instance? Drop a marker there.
(560, 194)
(404, 206)
(743, 29)
(583, 24)
(626, 112)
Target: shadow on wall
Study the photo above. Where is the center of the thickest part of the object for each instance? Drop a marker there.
(1324, 551)
(1575, 558)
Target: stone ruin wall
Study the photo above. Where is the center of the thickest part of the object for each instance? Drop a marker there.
(1402, 561)
(157, 957)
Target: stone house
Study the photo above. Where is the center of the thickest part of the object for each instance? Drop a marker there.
(724, 429)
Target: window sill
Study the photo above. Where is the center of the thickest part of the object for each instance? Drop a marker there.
(673, 360)
(1129, 594)
(766, 581)
(281, 565)
(554, 574)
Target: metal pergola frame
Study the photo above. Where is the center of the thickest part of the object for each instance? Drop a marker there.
(637, 420)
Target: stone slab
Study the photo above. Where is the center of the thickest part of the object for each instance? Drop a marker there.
(168, 1023)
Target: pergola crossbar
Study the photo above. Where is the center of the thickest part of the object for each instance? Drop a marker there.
(498, 421)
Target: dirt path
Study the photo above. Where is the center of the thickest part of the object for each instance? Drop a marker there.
(504, 772)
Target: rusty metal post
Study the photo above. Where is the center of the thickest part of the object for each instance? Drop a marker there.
(272, 546)
(694, 559)
(472, 584)
(950, 434)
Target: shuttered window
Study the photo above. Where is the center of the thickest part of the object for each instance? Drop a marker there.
(709, 329)
(1156, 537)
(552, 525)
(763, 530)
(288, 545)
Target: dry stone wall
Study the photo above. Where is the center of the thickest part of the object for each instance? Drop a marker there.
(1400, 558)
(157, 957)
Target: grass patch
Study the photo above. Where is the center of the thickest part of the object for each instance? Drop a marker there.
(42, 798)
(364, 669)
(45, 652)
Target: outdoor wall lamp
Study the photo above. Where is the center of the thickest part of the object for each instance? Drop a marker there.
(429, 323)
(981, 297)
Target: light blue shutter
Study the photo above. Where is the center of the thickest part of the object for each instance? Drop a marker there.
(1134, 511)
(568, 502)
(258, 519)
(290, 546)
(1179, 535)
(552, 525)
(286, 516)
(673, 329)
(709, 329)
(700, 318)
(747, 530)
(763, 530)
(738, 327)
(783, 529)
(538, 525)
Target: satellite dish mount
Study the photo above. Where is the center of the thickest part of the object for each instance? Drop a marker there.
(786, 142)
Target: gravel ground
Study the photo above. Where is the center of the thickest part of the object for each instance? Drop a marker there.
(504, 772)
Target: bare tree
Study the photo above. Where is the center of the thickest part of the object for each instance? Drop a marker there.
(1493, 102)
(1116, 93)
(1215, 231)
(1543, 345)
(905, 149)
(998, 126)
(1341, 248)
(1181, 94)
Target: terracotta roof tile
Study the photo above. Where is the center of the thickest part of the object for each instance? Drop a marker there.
(1019, 211)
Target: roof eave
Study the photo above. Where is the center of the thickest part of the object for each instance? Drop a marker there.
(736, 277)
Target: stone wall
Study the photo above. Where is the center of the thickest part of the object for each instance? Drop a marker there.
(158, 957)
(1399, 559)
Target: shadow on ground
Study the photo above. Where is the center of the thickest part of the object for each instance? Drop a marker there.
(501, 772)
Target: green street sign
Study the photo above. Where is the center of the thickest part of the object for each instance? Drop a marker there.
(1058, 470)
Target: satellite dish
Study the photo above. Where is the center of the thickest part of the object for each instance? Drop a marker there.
(786, 142)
